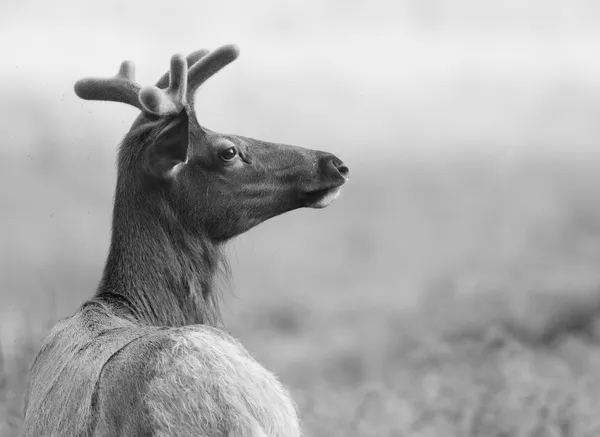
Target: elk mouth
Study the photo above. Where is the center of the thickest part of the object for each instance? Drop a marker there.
(322, 197)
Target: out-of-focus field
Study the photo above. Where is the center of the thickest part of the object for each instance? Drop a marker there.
(454, 287)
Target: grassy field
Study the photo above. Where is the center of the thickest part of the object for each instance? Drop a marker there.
(440, 296)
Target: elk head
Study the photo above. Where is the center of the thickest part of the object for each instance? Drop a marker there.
(218, 184)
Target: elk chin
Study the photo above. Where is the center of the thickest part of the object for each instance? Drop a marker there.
(322, 198)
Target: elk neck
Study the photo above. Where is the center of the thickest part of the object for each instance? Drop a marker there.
(158, 273)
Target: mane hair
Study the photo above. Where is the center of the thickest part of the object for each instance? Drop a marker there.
(157, 272)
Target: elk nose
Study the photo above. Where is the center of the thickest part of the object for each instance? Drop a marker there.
(340, 167)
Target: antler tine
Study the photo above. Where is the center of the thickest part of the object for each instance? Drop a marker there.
(173, 99)
(120, 88)
(192, 58)
(127, 71)
(153, 99)
(209, 65)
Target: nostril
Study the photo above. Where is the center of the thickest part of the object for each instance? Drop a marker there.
(333, 162)
(344, 171)
(341, 167)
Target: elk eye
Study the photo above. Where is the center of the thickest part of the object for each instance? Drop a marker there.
(228, 154)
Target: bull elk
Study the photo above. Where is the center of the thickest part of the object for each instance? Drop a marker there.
(147, 355)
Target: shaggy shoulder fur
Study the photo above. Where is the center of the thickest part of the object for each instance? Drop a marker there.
(101, 375)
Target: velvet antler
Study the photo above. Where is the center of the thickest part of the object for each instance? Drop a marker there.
(120, 88)
(191, 59)
(208, 65)
(173, 99)
(202, 65)
(160, 100)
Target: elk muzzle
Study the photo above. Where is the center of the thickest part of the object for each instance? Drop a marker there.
(332, 173)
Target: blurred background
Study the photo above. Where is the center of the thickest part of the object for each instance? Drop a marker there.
(454, 287)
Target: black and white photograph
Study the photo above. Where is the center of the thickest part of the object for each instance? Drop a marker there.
(316, 218)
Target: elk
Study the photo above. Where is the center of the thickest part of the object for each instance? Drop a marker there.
(148, 355)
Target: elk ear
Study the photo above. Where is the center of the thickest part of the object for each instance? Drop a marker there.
(169, 148)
